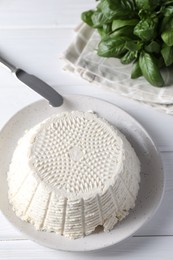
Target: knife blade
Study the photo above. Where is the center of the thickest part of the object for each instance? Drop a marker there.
(39, 86)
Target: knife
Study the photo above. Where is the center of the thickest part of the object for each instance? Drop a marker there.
(42, 88)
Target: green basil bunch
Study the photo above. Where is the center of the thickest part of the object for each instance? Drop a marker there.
(138, 31)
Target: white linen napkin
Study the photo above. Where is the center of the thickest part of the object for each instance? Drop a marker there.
(81, 58)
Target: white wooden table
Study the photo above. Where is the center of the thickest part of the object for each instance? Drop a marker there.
(33, 34)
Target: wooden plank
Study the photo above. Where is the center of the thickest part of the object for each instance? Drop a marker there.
(32, 14)
(37, 51)
(132, 249)
(161, 223)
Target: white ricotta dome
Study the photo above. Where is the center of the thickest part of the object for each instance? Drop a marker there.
(72, 173)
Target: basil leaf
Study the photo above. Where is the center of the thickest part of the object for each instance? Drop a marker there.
(150, 69)
(136, 70)
(167, 20)
(121, 23)
(143, 4)
(102, 33)
(153, 47)
(168, 11)
(133, 45)
(95, 19)
(146, 29)
(87, 17)
(111, 47)
(128, 57)
(168, 2)
(98, 19)
(147, 4)
(165, 23)
(167, 37)
(105, 30)
(124, 31)
(116, 9)
(167, 54)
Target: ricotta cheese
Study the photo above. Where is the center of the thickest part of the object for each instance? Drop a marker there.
(72, 173)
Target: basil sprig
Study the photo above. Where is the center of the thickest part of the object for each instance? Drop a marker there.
(135, 31)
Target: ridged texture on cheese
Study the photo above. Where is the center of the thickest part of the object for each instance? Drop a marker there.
(72, 173)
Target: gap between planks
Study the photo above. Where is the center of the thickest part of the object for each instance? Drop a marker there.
(40, 27)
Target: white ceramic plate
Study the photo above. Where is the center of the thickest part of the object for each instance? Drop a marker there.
(152, 178)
